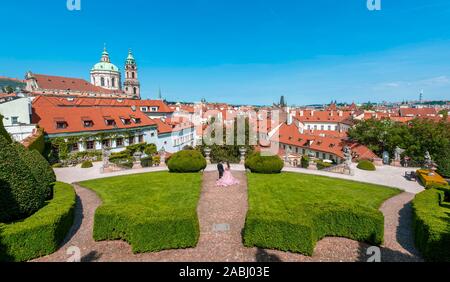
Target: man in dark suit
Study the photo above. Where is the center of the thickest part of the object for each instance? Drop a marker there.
(220, 169)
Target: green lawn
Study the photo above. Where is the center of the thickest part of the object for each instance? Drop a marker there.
(152, 211)
(292, 211)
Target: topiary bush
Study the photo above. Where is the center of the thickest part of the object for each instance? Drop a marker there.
(366, 165)
(431, 218)
(305, 162)
(186, 161)
(264, 164)
(323, 165)
(39, 167)
(21, 194)
(87, 164)
(41, 233)
(3, 131)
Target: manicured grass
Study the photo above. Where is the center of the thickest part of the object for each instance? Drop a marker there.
(152, 211)
(431, 216)
(291, 211)
(41, 233)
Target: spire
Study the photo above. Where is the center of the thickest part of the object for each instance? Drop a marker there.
(130, 59)
(159, 94)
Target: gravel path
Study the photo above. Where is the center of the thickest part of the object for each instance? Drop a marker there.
(222, 213)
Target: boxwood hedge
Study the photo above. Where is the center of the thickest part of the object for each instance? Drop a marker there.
(20, 193)
(366, 165)
(431, 220)
(264, 164)
(41, 233)
(186, 161)
(300, 232)
(146, 233)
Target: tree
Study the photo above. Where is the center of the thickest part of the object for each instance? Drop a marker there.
(9, 89)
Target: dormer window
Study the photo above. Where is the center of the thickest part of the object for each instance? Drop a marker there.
(126, 121)
(144, 109)
(87, 122)
(154, 109)
(110, 121)
(61, 124)
(137, 120)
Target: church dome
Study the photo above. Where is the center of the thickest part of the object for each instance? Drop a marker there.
(105, 66)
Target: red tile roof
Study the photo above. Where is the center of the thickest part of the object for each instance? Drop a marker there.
(49, 82)
(47, 111)
(322, 116)
(423, 112)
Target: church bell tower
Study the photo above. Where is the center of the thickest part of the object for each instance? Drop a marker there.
(132, 87)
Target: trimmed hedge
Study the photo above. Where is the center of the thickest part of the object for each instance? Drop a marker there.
(42, 233)
(3, 131)
(430, 181)
(40, 168)
(366, 165)
(87, 164)
(20, 194)
(151, 211)
(186, 161)
(300, 232)
(305, 162)
(149, 233)
(38, 142)
(264, 164)
(431, 221)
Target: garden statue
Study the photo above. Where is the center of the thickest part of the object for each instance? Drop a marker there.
(398, 153)
(348, 159)
(287, 153)
(429, 164)
(398, 156)
(162, 154)
(106, 153)
(386, 158)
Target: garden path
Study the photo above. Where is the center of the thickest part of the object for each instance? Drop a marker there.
(222, 213)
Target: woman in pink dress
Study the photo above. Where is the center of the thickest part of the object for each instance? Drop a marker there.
(227, 179)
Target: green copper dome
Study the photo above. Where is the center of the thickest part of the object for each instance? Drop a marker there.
(130, 59)
(105, 66)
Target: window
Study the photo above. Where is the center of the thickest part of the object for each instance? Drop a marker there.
(144, 109)
(90, 145)
(133, 75)
(126, 121)
(329, 127)
(88, 123)
(315, 127)
(154, 109)
(74, 147)
(106, 143)
(324, 156)
(61, 125)
(152, 134)
(141, 138)
(322, 127)
(134, 90)
(137, 120)
(113, 82)
(110, 122)
(130, 140)
(119, 142)
(15, 120)
(102, 81)
(317, 155)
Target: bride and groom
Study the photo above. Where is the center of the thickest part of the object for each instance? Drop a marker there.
(225, 177)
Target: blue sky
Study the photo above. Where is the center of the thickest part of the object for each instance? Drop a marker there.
(242, 51)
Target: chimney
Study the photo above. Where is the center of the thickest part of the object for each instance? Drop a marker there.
(341, 113)
(312, 113)
(301, 113)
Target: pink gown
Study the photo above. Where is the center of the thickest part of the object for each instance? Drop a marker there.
(227, 180)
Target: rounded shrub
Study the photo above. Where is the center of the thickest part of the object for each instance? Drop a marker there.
(305, 162)
(150, 149)
(366, 165)
(20, 193)
(3, 131)
(264, 164)
(87, 164)
(186, 161)
(39, 168)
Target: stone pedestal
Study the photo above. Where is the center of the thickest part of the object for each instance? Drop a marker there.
(137, 165)
(378, 162)
(207, 155)
(312, 166)
(396, 163)
(243, 152)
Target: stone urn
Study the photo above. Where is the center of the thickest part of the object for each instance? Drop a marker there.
(162, 155)
(242, 151)
(137, 160)
(207, 151)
